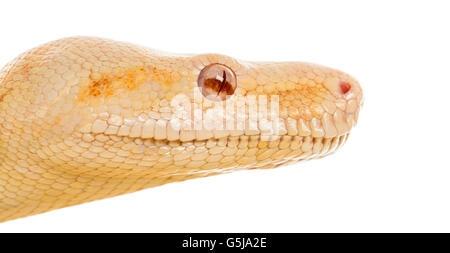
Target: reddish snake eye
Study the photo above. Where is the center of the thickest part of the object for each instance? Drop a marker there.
(217, 81)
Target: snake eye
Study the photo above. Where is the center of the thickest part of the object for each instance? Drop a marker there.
(217, 81)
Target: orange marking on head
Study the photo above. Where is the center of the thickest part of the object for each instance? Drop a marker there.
(163, 77)
(107, 85)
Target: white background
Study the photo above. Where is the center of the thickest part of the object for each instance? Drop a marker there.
(393, 175)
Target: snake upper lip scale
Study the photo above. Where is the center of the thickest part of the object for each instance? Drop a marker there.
(87, 118)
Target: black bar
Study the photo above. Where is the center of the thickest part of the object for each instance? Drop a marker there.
(222, 242)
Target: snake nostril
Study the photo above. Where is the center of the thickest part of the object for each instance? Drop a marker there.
(345, 87)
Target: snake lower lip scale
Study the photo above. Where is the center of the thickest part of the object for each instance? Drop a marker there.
(87, 118)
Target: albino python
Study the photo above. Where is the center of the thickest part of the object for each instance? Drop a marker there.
(86, 118)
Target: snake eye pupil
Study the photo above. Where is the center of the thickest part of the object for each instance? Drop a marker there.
(217, 81)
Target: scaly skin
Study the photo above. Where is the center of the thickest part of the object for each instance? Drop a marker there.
(84, 118)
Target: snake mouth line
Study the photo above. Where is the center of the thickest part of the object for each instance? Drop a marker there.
(280, 150)
(259, 138)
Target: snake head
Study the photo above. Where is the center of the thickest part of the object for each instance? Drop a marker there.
(114, 97)
(87, 118)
